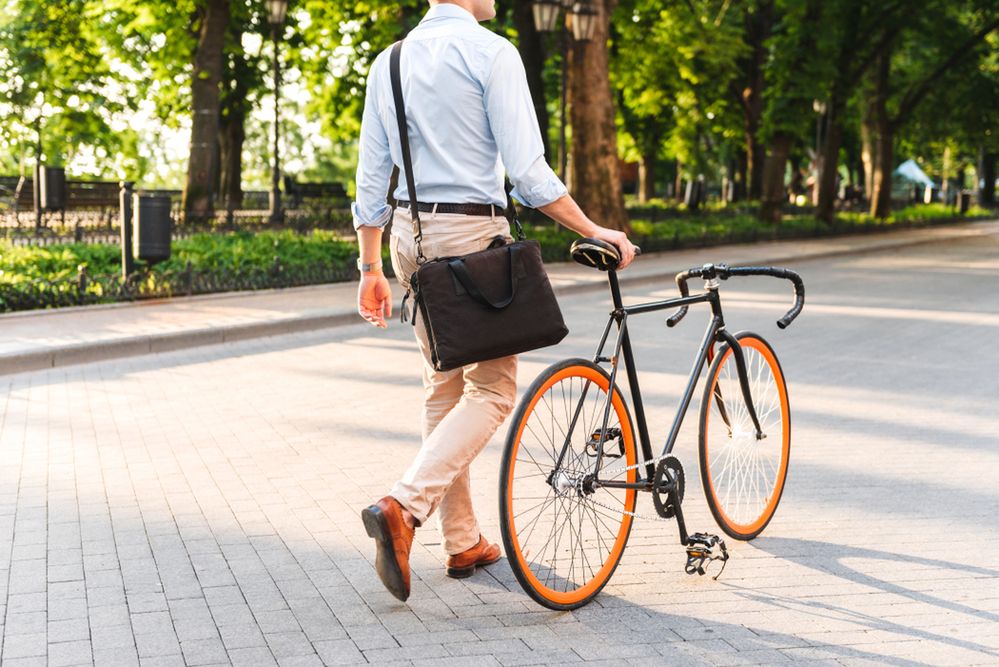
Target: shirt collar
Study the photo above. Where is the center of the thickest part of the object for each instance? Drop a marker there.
(447, 10)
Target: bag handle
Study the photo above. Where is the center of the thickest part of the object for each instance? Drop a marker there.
(407, 161)
(460, 271)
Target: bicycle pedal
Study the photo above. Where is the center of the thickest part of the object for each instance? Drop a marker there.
(703, 548)
(593, 443)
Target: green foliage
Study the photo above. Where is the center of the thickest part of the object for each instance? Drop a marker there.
(672, 67)
(56, 86)
(217, 253)
(50, 276)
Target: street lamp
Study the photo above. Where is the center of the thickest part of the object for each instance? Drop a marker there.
(276, 10)
(584, 21)
(583, 18)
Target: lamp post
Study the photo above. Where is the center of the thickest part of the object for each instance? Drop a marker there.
(583, 18)
(276, 10)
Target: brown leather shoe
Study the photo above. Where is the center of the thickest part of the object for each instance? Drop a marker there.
(393, 540)
(463, 565)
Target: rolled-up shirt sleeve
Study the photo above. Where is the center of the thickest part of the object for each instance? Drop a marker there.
(374, 164)
(514, 124)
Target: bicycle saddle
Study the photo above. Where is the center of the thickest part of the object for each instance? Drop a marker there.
(595, 253)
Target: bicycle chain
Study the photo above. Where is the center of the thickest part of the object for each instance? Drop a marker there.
(615, 472)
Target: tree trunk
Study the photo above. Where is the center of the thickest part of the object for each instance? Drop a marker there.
(532, 53)
(231, 137)
(829, 163)
(232, 125)
(647, 176)
(881, 139)
(758, 28)
(202, 168)
(740, 191)
(985, 174)
(678, 180)
(596, 177)
(773, 179)
(868, 151)
(756, 156)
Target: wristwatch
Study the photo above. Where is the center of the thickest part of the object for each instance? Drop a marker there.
(368, 268)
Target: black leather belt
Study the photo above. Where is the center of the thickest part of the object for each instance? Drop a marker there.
(462, 209)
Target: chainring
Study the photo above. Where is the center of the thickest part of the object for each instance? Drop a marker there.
(668, 472)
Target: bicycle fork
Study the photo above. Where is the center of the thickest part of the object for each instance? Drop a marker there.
(743, 372)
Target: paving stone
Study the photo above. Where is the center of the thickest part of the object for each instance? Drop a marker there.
(68, 653)
(203, 651)
(68, 630)
(285, 644)
(115, 656)
(24, 646)
(157, 644)
(339, 652)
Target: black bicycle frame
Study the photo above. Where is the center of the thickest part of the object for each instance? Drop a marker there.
(716, 332)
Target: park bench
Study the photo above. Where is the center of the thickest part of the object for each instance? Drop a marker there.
(297, 193)
(19, 199)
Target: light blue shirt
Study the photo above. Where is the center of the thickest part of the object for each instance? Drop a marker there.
(470, 118)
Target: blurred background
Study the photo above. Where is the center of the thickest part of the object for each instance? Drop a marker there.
(233, 126)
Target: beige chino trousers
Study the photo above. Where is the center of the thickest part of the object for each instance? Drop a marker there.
(462, 408)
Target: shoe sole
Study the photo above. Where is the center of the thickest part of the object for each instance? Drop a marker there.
(386, 564)
(465, 572)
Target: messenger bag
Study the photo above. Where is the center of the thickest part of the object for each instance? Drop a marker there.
(484, 305)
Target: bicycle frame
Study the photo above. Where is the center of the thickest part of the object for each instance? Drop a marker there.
(715, 332)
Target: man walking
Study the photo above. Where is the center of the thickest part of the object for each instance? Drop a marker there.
(470, 118)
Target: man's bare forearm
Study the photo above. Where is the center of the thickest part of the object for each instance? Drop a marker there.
(369, 244)
(567, 213)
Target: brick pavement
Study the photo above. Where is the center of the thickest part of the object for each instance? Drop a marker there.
(201, 507)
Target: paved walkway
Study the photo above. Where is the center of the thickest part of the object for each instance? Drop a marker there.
(44, 339)
(201, 506)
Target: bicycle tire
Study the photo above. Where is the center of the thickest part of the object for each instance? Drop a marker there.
(736, 463)
(536, 431)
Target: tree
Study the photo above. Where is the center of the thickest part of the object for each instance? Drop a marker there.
(56, 93)
(748, 90)
(596, 173)
(212, 24)
(954, 39)
(793, 79)
(243, 78)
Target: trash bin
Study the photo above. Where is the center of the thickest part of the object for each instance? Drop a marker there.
(964, 201)
(152, 227)
(53, 188)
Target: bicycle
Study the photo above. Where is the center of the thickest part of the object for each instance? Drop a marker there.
(565, 518)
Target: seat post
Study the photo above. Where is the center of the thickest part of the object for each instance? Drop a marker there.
(615, 289)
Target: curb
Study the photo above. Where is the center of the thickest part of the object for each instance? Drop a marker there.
(80, 353)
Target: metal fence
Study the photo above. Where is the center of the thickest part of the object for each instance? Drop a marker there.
(97, 228)
(85, 289)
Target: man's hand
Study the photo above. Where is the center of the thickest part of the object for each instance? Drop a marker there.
(566, 212)
(620, 241)
(374, 299)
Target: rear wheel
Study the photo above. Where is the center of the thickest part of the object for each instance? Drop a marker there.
(743, 477)
(564, 540)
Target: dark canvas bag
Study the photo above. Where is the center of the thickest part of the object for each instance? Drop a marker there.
(484, 305)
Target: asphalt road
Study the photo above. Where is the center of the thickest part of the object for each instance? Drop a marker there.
(201, 506)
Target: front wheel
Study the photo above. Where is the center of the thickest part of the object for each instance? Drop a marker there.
(564, 537)
(743, 477)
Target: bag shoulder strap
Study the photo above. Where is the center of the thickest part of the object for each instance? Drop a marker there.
(407, 161)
